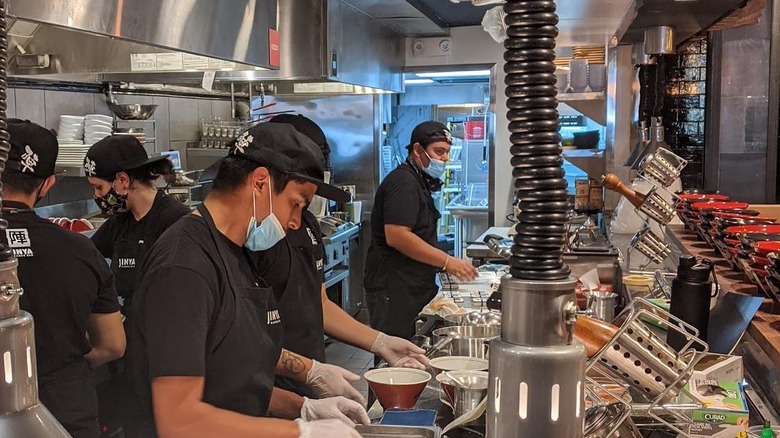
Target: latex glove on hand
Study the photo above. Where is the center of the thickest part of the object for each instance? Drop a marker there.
(325, 429)
(399, 352)
(343, 409)
(331, 381)
(461, 269)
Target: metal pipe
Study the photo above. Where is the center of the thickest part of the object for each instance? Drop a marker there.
(233, 101)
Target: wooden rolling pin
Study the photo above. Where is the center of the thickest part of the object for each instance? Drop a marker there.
(593, 333)
(613, 182)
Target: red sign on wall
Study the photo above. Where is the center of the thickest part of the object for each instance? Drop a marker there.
(274, 51)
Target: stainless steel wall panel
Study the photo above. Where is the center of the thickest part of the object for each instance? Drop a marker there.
(30, 106)
(10, 103)
(184, 119)
(63, 102)
(162, 124)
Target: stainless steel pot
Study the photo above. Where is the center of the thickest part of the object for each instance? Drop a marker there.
(469, 341)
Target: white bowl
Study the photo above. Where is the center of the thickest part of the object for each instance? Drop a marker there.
(76, 119)
(94, 132)
(458, 363)
(99, 118)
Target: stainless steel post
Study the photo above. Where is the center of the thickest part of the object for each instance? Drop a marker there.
(536, 372)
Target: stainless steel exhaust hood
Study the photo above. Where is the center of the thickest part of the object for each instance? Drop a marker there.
(231, 30)
(689, 19)
(326, 46)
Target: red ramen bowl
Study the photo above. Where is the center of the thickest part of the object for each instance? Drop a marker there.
(397, 388)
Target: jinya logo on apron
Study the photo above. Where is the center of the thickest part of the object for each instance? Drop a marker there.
(126, 263)
(274, 317)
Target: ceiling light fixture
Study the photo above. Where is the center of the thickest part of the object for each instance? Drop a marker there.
(418, 81)
(456, 74)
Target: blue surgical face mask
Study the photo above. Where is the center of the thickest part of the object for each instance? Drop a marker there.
(435, 167)
(268, 233)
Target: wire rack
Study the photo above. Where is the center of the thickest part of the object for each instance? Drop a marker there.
(643, 357)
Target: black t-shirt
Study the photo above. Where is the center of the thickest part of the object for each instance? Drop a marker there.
(273, 264)
(178, 301)
(136, 236)
(65, 279)
(402, 200)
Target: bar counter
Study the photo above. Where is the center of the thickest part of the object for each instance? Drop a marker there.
(760, 346)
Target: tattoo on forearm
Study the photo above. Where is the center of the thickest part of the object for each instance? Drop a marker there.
(292, 363)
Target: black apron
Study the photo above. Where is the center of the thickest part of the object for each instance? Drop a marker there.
(243, 344)
(398, 287)
(301, 308)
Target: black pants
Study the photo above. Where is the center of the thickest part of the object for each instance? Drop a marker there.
(393, 311)
(73, 402)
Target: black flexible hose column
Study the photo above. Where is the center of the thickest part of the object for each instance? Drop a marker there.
(5, 145)
(536, 151)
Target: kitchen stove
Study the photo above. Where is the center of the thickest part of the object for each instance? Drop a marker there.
(342, 264)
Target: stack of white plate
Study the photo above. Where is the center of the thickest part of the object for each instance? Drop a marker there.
(72, 154)
(97, 127)
(71, 128)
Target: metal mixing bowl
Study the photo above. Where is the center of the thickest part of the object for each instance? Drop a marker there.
(132, 111)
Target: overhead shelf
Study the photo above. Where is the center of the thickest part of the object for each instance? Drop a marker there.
(593, 105)
(591, 161)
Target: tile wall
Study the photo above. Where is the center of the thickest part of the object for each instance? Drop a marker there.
(176, 122)
(683, 113)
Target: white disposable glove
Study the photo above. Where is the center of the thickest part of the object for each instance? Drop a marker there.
(399, 352)
(325, 429)
(331, 381)
(343, 409)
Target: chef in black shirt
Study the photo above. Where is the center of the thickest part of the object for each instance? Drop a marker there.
(403, 259)
(123, 178)
(294, 269)
(68, 287)
(206, 339)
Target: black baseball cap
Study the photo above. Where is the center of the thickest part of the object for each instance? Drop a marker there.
(282, 147)
(430, 132)
(34, 149)
(116, 153)
(305, 126)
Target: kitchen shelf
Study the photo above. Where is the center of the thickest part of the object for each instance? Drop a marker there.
(70, 170)
(208, 152)
(593, 105)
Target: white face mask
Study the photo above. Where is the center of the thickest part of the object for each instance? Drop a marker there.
(268, 233)
(435, 167)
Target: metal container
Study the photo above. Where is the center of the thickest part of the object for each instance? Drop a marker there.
(469, 341)
(659, 40)
(650, 245)
(132, 111)
(382, 431)
(601, 420)
(469, 394)
(602, 304)
(662, 165)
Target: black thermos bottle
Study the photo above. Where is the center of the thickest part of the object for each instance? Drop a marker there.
(691, 293)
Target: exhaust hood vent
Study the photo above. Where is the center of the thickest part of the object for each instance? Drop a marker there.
(689, 19)
(325, 46)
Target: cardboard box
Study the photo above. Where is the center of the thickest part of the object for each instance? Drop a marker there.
(725, 413)
(720, 367)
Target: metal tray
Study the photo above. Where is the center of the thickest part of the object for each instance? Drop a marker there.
(379, 431)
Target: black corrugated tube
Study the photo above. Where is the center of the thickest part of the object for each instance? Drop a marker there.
(5, 146)
(536, 150)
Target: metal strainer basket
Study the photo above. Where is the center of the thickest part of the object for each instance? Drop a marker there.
(663, 166)
(650, 245)
(656, 207)
(643, 361)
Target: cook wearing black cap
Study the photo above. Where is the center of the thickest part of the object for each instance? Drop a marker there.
(68, 288)
(207, 332)
(123, 178)
(294, 269)
(403, 259)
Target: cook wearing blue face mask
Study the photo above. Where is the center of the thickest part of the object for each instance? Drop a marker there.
(268, 233)
(403, 257)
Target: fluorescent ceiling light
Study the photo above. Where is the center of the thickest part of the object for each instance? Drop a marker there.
(418, 81)
(455, 74)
